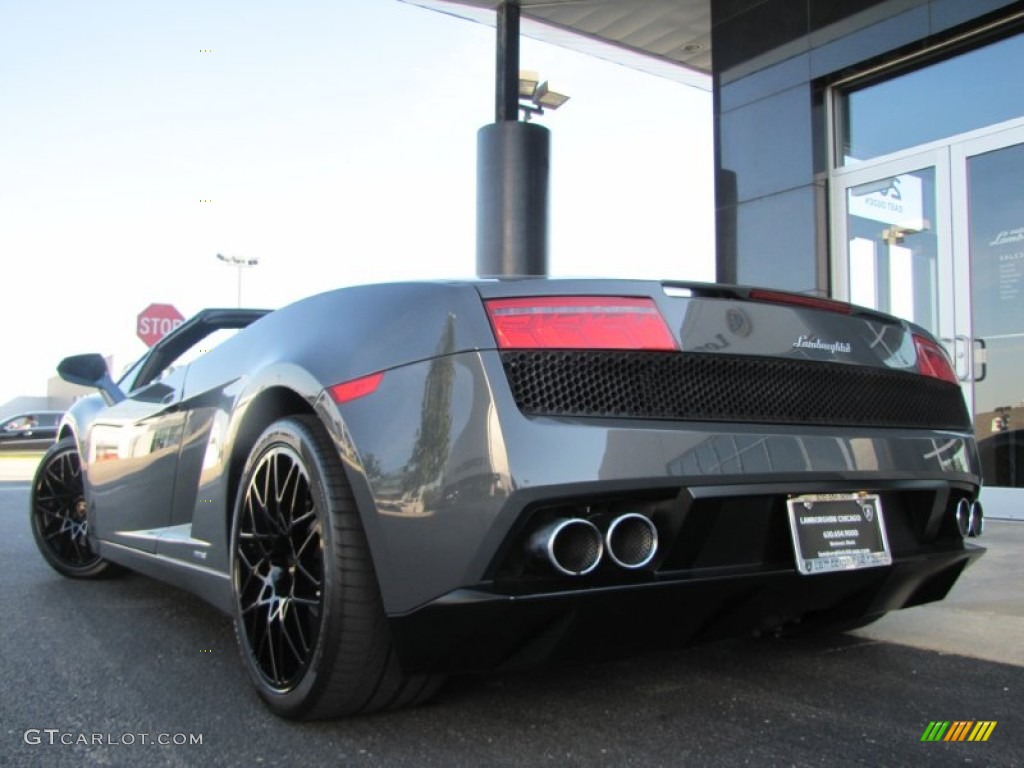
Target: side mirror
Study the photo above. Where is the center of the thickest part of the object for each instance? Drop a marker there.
(90, 371)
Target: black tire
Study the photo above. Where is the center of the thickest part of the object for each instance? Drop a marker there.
(308, 613)
(57, 515)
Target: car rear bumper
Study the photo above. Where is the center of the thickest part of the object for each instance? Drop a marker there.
(476, 629)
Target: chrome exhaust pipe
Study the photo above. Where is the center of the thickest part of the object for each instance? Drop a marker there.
(976, 523)
(572, 546)
(963, 517)
(632, 540)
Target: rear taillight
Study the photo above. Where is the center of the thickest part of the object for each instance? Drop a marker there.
(356, 388)
(933, 361)
(579, 322)
(799, 300)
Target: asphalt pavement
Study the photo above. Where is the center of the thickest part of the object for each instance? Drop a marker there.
(101, 673)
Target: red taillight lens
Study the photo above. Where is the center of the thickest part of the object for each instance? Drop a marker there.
(350, 390)
(579, 322)
(799, 300)
(933, 361)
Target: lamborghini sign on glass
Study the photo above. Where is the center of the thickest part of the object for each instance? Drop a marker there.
(838, 532)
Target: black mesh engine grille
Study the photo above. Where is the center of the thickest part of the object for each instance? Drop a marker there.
(704, 387)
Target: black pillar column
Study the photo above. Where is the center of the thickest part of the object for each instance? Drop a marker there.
(506, 64)
(513, 165)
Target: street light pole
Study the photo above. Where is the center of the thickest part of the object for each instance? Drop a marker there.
(513, 164)
(240, 263)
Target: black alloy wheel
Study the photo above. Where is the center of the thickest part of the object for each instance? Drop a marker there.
(308, 613)
(58, 515)
(280, 567)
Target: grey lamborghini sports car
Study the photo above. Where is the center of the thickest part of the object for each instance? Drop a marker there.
(385, 484)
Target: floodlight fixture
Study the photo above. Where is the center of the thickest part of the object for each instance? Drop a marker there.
(536, 96)
(547, 98)
(240, 263)
(528, 82)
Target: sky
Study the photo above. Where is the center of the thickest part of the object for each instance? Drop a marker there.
(332, 140)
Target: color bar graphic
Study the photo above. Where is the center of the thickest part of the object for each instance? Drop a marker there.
(935, 730)
(958, 730)
(982, 730)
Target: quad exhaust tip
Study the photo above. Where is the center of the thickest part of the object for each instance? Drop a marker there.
(631, 540)
(572, 546)
(976, 521)
(970, 518)
(963, 517)
(575, 546)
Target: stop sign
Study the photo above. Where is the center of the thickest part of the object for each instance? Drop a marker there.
(156, 321)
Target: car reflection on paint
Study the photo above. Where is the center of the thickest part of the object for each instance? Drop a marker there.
(1002, 458)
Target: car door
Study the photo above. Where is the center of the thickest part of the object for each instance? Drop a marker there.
(10, 431)
(47, 426)
(132, 450)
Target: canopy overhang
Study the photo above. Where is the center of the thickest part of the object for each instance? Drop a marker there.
(669, 38)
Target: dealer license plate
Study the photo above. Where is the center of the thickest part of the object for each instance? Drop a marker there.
(838, 532)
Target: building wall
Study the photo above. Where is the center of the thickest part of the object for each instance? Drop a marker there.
(61, 394)
(773, 60)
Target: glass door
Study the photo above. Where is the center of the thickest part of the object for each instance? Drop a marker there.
(988, 193)
(937, 237)
(896, 228)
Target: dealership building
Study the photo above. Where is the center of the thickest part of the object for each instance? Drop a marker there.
(870, 150)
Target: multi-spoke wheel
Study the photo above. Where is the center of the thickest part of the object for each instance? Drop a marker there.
(279, 563)
(58, 517)
(308, 612)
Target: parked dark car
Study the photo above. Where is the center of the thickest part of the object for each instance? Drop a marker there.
(386, 484)
(35, 430)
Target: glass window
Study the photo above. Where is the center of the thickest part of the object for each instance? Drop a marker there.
(973, 90)
(893, 246)
(996, 210)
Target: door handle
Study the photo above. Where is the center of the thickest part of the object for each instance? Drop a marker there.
(981, 356)
(967, 354)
